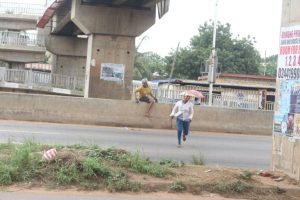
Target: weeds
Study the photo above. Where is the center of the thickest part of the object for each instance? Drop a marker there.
(5, 174)
(119, 182)
(198, 160)
(143, 165)
(169, 163)
(246, 175)
(94, 168)
(178, 186)
(66, 175)
(232, 187)
(90, 167)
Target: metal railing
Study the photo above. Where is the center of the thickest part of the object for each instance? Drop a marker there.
(21, 39)
(21, 8)
(171, 96)
(269, 105)
(35, 78)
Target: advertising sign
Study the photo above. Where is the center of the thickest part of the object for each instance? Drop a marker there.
(112, 72)
(287, 109)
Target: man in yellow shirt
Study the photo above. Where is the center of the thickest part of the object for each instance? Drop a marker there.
(145, 95)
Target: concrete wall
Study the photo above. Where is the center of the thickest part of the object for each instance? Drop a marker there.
(18, 22)
(69, 66)
(286, 154)
(290, 12)
(30, 107)
(25, 55)
(286, 151)
(66, 45)
(69, 55)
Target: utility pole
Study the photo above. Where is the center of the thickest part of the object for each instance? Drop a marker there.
(172, 70)
(144, 38)
(213, 61)
(265, 64)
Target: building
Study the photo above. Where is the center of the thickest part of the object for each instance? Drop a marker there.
(229, 90)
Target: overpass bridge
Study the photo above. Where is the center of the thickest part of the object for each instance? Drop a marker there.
(95, 39)
(17, 45)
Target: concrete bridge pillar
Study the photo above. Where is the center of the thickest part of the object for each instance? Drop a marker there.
(108, 52)
(111, 32)
(110, 61)
(286, 141)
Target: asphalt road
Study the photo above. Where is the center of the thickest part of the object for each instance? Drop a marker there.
(231, 150)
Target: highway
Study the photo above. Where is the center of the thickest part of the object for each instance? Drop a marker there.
(230, 150)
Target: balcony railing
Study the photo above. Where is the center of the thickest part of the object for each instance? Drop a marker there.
(21, 39)
(35, 78)
(21, 8)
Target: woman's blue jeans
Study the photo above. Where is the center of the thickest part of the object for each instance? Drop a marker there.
(182, 126)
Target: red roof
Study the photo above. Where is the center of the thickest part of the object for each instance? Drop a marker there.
(49, 13)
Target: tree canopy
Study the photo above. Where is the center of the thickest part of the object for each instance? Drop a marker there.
(235, 55)
(147, 65)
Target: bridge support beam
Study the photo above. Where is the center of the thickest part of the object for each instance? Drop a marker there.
(68, 55)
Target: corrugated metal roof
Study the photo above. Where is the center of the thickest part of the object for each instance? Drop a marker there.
(49, 13)
(248, 76)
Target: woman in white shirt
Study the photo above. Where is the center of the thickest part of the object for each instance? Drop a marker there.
(183, 111)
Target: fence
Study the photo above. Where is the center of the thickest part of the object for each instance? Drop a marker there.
(36, 78)
(164, 95)
(21, 39)
(21, 8)
(171, 95)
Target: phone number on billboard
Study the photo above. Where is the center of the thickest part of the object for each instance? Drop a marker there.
(288, 73)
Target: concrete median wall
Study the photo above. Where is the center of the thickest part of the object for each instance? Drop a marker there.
(46, 108)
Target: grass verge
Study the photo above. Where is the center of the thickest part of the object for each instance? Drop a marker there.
(116, 170)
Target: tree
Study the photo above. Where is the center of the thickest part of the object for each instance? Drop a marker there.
(146, 64)
(234, 55)
(269, 66)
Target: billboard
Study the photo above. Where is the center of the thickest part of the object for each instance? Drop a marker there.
(287, 109)
(112, 72)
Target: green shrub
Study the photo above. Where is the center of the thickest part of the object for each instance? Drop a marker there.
(93, 168)
(143, 165)
(6, 172)
(178, 186)
(66, 174)
(25, 161)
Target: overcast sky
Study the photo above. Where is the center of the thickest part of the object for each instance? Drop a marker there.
(257, 18)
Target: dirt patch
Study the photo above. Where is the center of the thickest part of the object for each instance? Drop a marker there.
(89, 170)
(200, 182)
(227, 182)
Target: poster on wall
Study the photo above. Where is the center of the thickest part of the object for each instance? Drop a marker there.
(287, 109)
(112, 72)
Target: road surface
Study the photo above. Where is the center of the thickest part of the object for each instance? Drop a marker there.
(231, 150)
